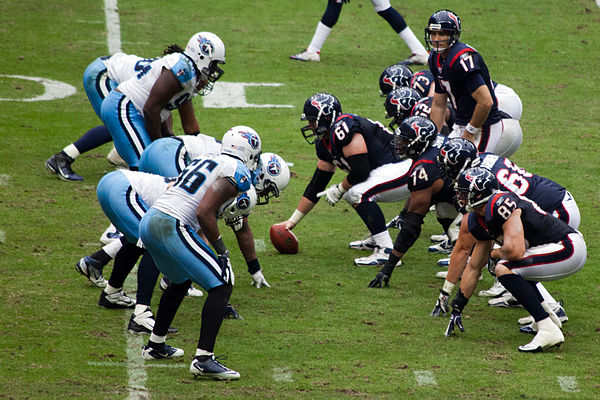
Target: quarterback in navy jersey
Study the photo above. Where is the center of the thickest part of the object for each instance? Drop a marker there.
(417, 138)
(535, 246)
(462, 77)
(361, 148)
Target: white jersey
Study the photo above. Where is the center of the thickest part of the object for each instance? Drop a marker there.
(138, 88)
(120, 66)
(182, 200)
(148, 186)
(199, 144)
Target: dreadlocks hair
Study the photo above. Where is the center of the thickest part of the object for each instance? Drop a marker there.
(172, 48)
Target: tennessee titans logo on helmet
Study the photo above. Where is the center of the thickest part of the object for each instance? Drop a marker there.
(251, 138)
(273, 166)
(206, 46)
(243, 201)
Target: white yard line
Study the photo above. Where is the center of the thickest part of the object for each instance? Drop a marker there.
(282, 374)
(113, 26)
(568, 383)
(425, 378)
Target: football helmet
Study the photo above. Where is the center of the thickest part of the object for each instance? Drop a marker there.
(207, 51)
(320, 110)
(422, 81)
(414, 136)
(399, 103)
(272, 176)
(456, 155)
(474, 187)
(442, 20)
(243, 143)
(234, 211)
(393, 77)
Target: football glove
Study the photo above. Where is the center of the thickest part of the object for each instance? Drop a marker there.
(226, 268)
(441, 305)
(333, 194)
(455, 320)
(231, 313)
(491, 265)
(382, 279)
(258, 280)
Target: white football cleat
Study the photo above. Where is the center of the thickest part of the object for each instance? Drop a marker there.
(378, 258)
(496, 290)
(365, 244)
(307, 55)
(558, 310)
(115, 159)
(549, 335)
(110, 234)
(438, 238)
(506, 300)
(193, 292)
(441, 274)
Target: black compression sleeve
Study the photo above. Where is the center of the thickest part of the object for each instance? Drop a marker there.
(411, 229)
(317, 184)
(359, 168)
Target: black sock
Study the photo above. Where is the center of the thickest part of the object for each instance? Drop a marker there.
(372, 216)
(169, 304)
(213, 313)
(125, 260)
(147, 276)
(101, 256)
(525, 294)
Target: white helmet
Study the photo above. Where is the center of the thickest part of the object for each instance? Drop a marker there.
(207, 51)
(243, 143)
(234, 211)
(272, 176)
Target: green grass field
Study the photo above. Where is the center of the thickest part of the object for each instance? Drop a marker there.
(319, 332)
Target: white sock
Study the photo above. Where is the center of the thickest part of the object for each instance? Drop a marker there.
(71, 151)
(112, 248)
(411, 41)
(140, 308)
(157, 339)
(383, 239)
(110, 290)
(319, 38)
(200, 352)
(546, 295)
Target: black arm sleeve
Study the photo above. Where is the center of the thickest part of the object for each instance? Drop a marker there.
(359, 168)
(411, 229)
(317, 184)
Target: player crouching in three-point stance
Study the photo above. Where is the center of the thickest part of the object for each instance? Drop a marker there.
(535, 246)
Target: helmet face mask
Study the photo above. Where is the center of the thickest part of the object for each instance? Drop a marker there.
(271, 178)
(443, 21)
(474, 187)
(399, 104)
(244, 144)
(320, 110)
(394, 77)
(207, 51)
(414, 136)
(457, 155)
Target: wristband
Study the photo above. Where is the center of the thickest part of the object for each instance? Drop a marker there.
(297, 216)
(253, 266)
(219, 246)
(472, 130)
(448, 286)
(194, 133)
(341, 188)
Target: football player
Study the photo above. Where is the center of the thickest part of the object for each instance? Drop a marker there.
(384, 9)
(460, 154)
(361, 148)
(169, 231)
(417, 138)
(462, 76)
(534, 246)
(137, 111)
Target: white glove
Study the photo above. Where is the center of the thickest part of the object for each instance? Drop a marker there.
(259, 280)
(334, 193)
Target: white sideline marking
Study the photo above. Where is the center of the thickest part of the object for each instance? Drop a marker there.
(4, 179)
(85, 21)
(282, 374)
(2, 237)
(52, 89)
(425, 378)
(233, 95)
(259, 245)
(568, 383)
(113, 364)
(113, 26)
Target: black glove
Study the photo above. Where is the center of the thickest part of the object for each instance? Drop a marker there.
(231, 313)
(441, 305)
(491, 265)
(225, 264)
(455, 320)
(383, 277)
(345, 1)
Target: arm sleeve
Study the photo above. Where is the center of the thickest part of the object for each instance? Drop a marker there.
(317, 184)
(359, 168)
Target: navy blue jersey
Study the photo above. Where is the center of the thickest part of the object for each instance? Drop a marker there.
(460, 74)
(423, 109)
(545, 192)
(425, 171)
(539, 227)
(376, 136)
(422, 81)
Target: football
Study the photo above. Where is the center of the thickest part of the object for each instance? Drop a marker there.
(283, 239)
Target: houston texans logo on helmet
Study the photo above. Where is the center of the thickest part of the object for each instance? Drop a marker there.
(251, 138)
(273, 166)
(417, 128)
(454, 18)
(323, 104)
